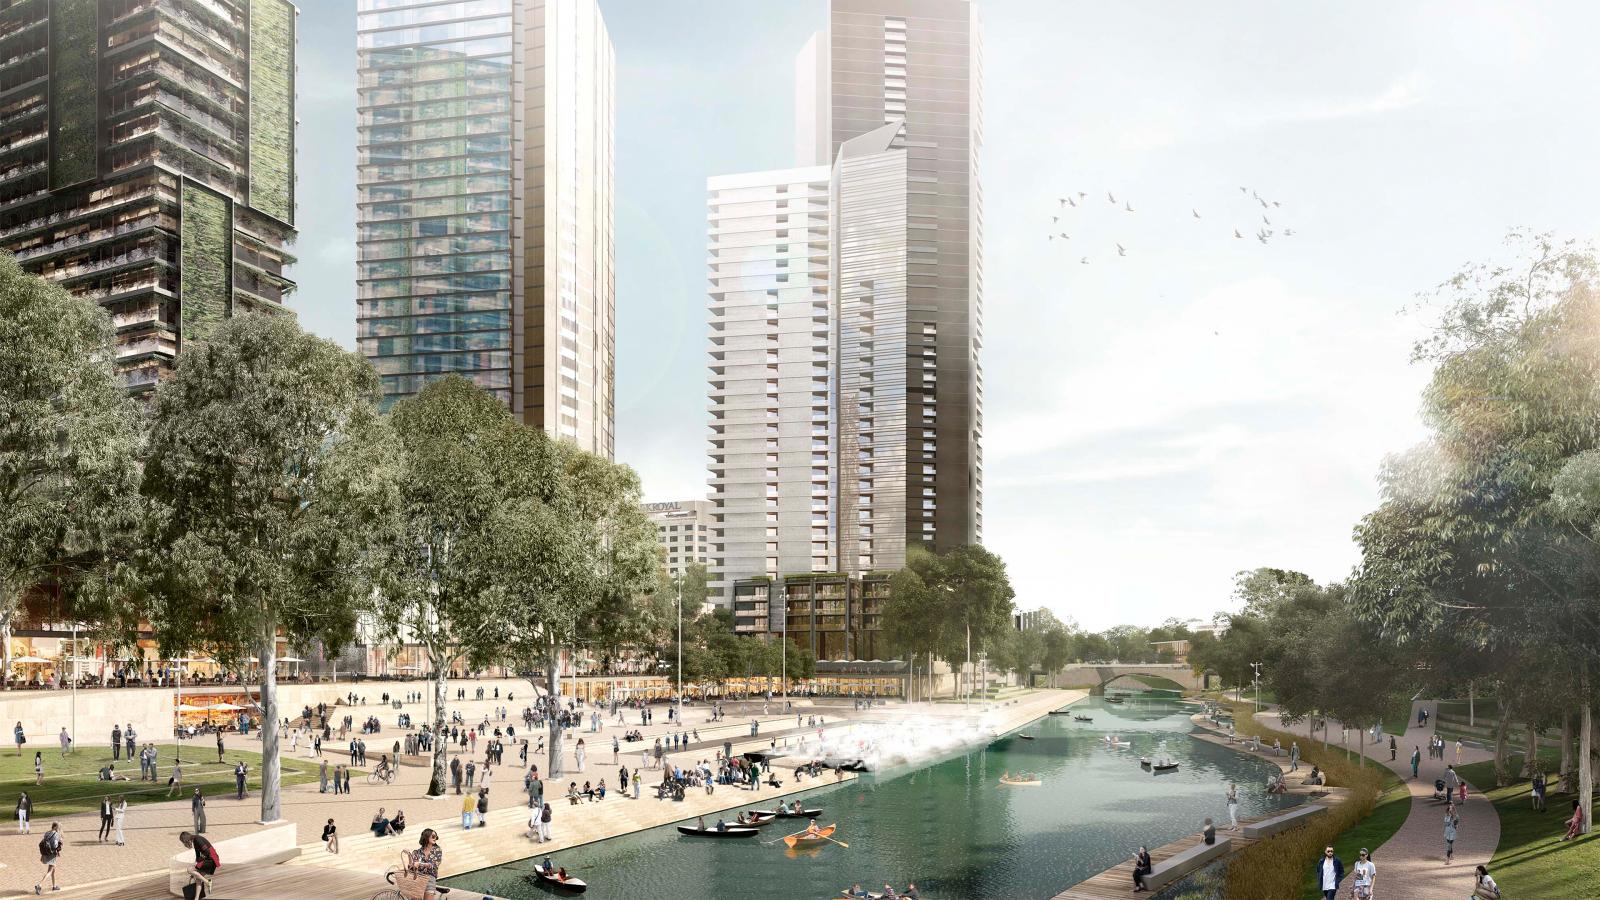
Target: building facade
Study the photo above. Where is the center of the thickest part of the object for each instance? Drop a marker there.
(147, 154)
(684, 527)
(485, 169)
(846, 318)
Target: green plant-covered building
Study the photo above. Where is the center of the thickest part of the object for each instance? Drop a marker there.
(147, 160)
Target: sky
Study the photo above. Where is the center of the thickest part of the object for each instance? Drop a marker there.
(1154, 422)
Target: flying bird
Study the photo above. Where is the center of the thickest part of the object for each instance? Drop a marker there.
(1055, 218)
(1196, 213)
(1243, 190)
(1065, 236)
(1288, 232)
(1262, 238)
(1128, 207)
(1263, 203)
(1050, 237)
(1266, 220)
(1062, 200)
(1082, 195)
(1084, 261)
(1071, 202)
(1111, 198)
(1121, 250)
(1276, 203)
(1237, 234)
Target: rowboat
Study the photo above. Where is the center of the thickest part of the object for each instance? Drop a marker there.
(571, 885)
(804, 840)
(1021, 782)
(1163, 765)
(1026, 737)
(1060, 712)
(1082, 719)
(732, 831)
(1114, 700)
(846, 895)
(802, 814)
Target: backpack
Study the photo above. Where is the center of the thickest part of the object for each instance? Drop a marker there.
(47, 846)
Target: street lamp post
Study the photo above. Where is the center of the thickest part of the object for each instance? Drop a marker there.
(680, 647)
(1257, 667)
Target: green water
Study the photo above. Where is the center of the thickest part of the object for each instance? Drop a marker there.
(947, 825)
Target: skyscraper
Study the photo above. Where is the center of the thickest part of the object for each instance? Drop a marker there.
(889, 122)
(147, 160)
(485, 171)
(918, 64)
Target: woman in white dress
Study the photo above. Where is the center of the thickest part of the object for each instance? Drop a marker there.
(120, 812)
(1233, 807)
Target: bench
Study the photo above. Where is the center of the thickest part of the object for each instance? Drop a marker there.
(1183, 862)
(1269, 827)
(271, 845)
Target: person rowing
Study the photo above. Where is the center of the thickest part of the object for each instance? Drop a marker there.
(812, 830)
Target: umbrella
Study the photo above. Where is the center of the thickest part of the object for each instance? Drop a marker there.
(184, 707)
(28, 660)
(225, 706)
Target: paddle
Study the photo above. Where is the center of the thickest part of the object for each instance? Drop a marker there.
(784, 838)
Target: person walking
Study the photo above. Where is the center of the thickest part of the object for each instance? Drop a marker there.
(197, 806)
(1329, 872)
(24, 812)
(1294, 756)
(1416, 761)
(119, 814)
(175, 780)
(1365, 874)
(1233, 807)
(580, 752)
(1392, 748)
(64, 738)
(1458, 751)
(469, 807)
(240, 770)
(49, 854)
(105, 819)
(544, 823)
(129, 739)
(116, 742)
(38, 768)
(1538, 789)
(347, 779)
(1451, 823)
(322, 777)
(219, 746)
(455, 772)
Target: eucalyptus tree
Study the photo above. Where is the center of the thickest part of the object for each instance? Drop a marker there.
(572, 550)
(264, 479)
(449, 483)
(69, 440)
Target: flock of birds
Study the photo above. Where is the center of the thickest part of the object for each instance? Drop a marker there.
(1264, 232)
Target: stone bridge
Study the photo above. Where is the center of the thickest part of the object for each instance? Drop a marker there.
(1091, 675)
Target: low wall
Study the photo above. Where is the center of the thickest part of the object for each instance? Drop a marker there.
(44, 713)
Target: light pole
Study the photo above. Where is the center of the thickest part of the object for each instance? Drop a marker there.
(680, 647)
(74, 685)
(1257, 668)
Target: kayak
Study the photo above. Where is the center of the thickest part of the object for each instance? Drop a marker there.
(571, 885)
(1022, 782)
(1082, 719)
(1060, 712)
(1026, 737)
(801, 840)
(802, 814)
(732, 831)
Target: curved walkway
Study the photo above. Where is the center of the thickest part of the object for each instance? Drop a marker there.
(1411, 864)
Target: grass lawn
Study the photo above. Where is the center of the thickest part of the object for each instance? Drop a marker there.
(1532, 860)
(1394, 804)
(72, 783)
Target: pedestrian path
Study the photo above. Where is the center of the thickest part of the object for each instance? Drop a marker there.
(1411, 864)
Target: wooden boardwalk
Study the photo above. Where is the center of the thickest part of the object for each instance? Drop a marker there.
(1117, 881)
(255, 882)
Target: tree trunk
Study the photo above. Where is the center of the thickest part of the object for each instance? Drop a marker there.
(1567, 774)
(1502, 750)
(553, 678)
(441, 680)
(1585, 765)
(1530, 758)
(271, 767)
(1361, 758)
(5, 641)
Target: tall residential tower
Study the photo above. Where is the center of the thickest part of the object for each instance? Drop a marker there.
(147, 160)
(846, 319)
(485, 172)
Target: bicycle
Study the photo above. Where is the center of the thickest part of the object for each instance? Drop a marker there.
(385, 776)
(407, 886)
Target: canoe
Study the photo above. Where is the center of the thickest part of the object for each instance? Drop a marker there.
(571, 885)
(845, 895)
(1060, 712)
(802, 814)
(1082, 719)
(1022, 782)
(758, 819)
(1167, 767)
(1114, 700)
(802, 841)
(732, 831)
(1026, 737)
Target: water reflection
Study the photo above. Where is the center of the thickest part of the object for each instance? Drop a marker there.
(950, 826)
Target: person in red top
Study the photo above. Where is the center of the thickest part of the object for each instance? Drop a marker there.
(206, 862)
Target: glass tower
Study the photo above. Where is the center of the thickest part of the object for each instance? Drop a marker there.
(485, 209)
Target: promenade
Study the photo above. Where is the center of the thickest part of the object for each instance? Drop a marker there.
(137, 870)
(1411, 864)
